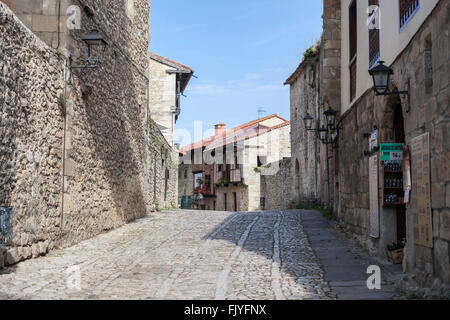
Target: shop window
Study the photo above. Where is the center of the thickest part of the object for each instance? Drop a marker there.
(408, 9)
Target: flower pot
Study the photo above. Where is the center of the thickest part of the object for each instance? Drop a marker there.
(396, 256)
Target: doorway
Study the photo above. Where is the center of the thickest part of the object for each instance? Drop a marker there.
(235, 201)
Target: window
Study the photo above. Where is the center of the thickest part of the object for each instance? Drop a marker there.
(408, 9)
(353, 41)
(374, 40)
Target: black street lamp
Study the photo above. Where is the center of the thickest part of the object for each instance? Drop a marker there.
(330, 116)
(323, 135)
(96, 49)
(381, 75)
(327, 134)
(308, 120)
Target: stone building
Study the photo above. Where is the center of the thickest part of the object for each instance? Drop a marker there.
(305, 147)
(413, 41)
(168, 80)
(231, 163)
(80, 153)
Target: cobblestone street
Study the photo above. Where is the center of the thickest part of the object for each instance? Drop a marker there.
(181, 255)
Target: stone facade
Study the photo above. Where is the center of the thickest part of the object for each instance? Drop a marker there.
(266, 140)
(79, 155)
(305, 147)
(427, 113)
(168, 80)
(276, 189)
(31, 134)
(314, 87)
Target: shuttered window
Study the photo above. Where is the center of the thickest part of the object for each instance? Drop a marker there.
(408, 9)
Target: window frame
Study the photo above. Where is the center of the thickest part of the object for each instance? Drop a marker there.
(373, 62)
(411, 16)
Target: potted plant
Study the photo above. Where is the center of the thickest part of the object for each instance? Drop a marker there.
(257, 169)
(222, 182)
(395, 253)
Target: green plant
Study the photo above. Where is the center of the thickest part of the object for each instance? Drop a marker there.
(62, 100)
(257, 169)
(395, 246)
(222, 182)
(315, 205)
(157, 208)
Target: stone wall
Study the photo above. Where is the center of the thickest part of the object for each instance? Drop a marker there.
(276, 189)
(242, 195)
(31, 135)
(115, 161)
(46, 18)
(305, 147)
(330, 95)
(108, 159)
(162, 96)
(428, 112)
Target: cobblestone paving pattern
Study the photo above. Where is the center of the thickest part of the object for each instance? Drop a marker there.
(180, 255)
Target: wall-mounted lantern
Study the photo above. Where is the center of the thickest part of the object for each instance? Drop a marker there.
(327, 134)
(323, 135)
(96, 50)
(330, 116)
(308, 120)
(381, 75)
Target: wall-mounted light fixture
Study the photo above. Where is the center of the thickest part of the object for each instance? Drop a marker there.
(327, 134)
(381, 75)
(96, 50)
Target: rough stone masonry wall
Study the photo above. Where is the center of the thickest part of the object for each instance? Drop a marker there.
(108, 160)
(113, 161)
(330, 92)
(276, 189)
(305, 145)
(31, 122)
(46, 18)
(429, 112)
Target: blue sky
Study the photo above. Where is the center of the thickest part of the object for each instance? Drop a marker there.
(241, 50)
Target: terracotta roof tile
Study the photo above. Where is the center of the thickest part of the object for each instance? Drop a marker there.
(242, 132)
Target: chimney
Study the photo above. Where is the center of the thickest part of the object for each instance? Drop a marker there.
(220, 129)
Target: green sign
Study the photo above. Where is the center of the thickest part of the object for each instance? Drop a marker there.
(391, 151)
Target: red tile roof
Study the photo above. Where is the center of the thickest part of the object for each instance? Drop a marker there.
(239, 133)
(169, 62)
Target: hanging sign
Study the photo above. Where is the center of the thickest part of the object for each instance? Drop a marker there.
(373, 141)
(391, 151)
